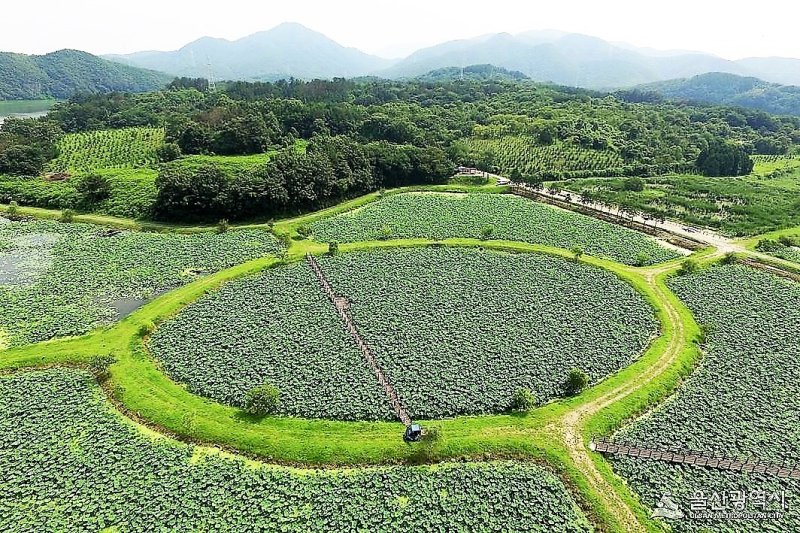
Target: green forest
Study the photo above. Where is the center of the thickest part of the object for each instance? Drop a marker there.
(59, 75)
(321, 142)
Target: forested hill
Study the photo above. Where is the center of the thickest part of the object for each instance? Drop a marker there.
(61, 74)
(472, 72)
(730, 89)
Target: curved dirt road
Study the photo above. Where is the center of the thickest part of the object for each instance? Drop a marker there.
(572, 423)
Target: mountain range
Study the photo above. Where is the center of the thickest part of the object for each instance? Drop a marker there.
(564, 58)
(730, 89)
(292, 50)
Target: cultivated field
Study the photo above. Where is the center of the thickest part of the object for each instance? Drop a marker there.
(529, 158)
(277, 328)
(61, 279)
(458, 328)
(739, 403)
(738, 206)
(459, 331)
(442, 216)
(125, 148)
(77, 465)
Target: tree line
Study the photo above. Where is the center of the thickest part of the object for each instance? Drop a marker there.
(328, 171)
(407, 131)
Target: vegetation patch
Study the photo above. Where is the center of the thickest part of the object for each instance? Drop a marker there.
(785, 247)
(442, 216)
(279, 328)
(524, 155)
(64, 279)
(739, 402)
(740, 206)
(130, 193)
(124, 148)
(56, 429)
(458, 331)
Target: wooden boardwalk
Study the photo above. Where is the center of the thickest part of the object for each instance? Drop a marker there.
(695, 458)
(342, 306)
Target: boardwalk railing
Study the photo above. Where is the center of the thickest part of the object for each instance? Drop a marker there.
(342, 306)
(771, 268)
(695, 458)
(682, 241)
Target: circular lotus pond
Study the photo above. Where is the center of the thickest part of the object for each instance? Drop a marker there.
(456, 331)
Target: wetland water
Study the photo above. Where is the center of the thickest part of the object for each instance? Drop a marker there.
(24, 108)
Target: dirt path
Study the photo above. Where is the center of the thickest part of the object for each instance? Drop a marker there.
(572, 423)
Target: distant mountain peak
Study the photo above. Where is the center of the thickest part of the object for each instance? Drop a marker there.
(287, 50)
(291, 49)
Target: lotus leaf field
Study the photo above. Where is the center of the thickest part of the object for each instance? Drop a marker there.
(459, 330)
(70, 463)
(790, 253)
(278, 328)
(59, 279)
(477, 307)
(441, 216)
(741, 402)
(456, 330)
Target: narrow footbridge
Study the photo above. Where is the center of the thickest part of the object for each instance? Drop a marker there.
(342, 306)
(695, 458)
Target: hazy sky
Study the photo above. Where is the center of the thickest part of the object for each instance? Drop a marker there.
(762, 28)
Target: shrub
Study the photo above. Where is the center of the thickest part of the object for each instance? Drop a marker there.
(386, 233)
(729, 259)
(633, 184)
(424, 449)
(688, 267)
(168, 152)
(223, 226)
(333, 248)
(486, 232)
(146, 329)
(94, 188)
(642, 259)
(577, 380)
(13, 207)
(285, 239)
(67, 215)
(431, 435)
(577, 252)
(99, 365)
(304, 231)
(768, 246)
(523, 400)
(262, 400)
